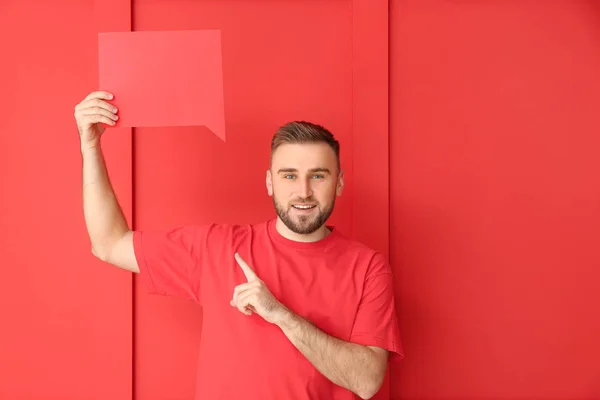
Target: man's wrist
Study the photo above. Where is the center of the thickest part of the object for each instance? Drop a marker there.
(286, 319)
(90, 148)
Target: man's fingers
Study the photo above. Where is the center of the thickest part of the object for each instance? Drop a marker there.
(244, 287)
(246, 310)
(243, 296)
(243, 307)
(244, 299)
(99, 111)
(91, 103)
(244, 303)
(96, 118)
(100, 94)
(248, 272)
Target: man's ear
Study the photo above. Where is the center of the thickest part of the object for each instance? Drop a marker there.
(340, 185)
(269, 182)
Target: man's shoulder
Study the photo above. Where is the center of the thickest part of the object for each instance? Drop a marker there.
(355, 245)
(373, 260)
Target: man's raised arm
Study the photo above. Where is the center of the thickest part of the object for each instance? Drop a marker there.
(111, 238)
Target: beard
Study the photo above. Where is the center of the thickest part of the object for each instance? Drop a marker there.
(303, 224)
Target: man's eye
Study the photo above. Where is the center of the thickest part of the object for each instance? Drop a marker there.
(318, 176)
(289, 176)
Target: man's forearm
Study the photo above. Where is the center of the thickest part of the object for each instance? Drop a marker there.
(352, 366)
(104, 217)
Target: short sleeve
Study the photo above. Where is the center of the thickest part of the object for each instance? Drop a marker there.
(376, 323)
(168, 260)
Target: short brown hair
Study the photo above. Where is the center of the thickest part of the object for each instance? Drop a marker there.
(298, 132)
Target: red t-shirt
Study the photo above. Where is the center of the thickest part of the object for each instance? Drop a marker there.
(341, 286)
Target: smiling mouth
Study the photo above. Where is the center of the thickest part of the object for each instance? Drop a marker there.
(304, 206)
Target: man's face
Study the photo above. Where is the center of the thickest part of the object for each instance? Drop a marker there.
(304, 181)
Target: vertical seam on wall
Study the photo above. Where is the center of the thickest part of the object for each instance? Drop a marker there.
(389, 133)
(352, 127)
(133, 226)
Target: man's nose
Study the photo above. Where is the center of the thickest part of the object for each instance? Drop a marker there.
(304, 189)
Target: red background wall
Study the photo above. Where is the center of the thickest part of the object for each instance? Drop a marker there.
(65, 318)
(495, 197)
(493, 186)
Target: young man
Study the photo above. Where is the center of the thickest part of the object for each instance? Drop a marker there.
(292, 308)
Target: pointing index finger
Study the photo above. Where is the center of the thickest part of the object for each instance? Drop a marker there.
(248, 272)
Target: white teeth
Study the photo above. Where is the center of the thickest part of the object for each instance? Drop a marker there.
(302, 207)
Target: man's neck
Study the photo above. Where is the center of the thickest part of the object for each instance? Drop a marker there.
(317, 235)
